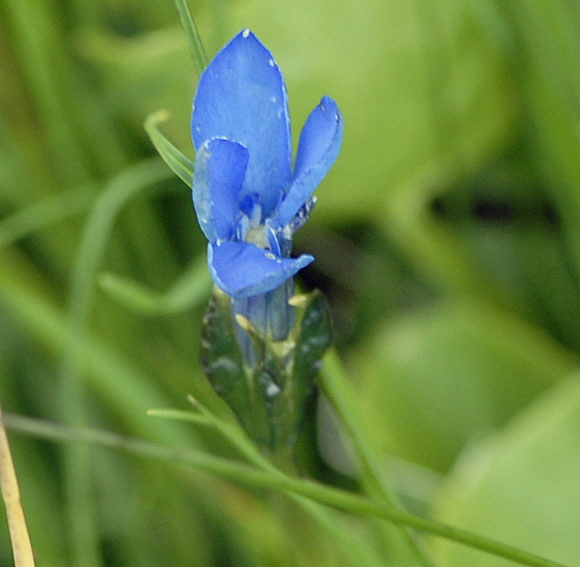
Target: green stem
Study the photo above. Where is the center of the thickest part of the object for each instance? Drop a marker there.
(334, 383)
(193, 38)
(189, 289)
(245, 474)
(351, 546)
(77, 460)
(47, 66)
(43, 213)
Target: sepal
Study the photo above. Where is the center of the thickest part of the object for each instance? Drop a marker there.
(268, 397)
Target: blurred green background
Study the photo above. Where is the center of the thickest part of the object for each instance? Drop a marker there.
(447, 240)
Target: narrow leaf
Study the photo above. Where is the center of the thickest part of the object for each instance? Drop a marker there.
(193, 38)
(177, 162)
(188, 290)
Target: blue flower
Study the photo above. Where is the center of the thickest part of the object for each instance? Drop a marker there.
(248, 200)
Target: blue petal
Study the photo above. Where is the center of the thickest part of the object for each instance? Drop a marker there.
(220, 167)
(242, 269)
(241, 96)
(318, 148)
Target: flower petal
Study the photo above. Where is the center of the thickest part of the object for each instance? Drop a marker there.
(241, 96)
(242, 269)
(219, 170)
(318, 148)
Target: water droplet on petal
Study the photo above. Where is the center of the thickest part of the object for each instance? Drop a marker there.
(246, 33)
(272, 390)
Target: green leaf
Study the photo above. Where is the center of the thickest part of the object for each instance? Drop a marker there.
(443, 377)
(44, 213)
(177, 162)
(312, 341)
(269, 397)
(309, 341)
(224, 367)
(522, 484)
(189, 289)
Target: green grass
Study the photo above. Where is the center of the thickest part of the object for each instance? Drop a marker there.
(446, 240)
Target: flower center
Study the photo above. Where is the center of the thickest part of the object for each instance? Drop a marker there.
(251, 228)
(261, 232)
(258, 235)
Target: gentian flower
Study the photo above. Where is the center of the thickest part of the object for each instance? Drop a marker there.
(248, 199)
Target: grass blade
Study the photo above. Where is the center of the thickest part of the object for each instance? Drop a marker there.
(177, 162)
(193, 38)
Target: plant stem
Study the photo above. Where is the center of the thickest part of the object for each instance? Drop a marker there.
(247, 475)
(193, 38)
(334, 384)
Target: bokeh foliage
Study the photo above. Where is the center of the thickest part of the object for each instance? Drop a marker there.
(447, 239)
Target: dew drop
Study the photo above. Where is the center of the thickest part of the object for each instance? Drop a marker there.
(272, 390)
(246, 33)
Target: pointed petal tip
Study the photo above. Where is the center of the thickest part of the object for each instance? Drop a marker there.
(242, 96)
(318, 148)
(328, 104)
(246, 33)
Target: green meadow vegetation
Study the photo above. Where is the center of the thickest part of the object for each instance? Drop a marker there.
(446, 431)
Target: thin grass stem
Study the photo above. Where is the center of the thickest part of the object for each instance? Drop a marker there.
(276, 480)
